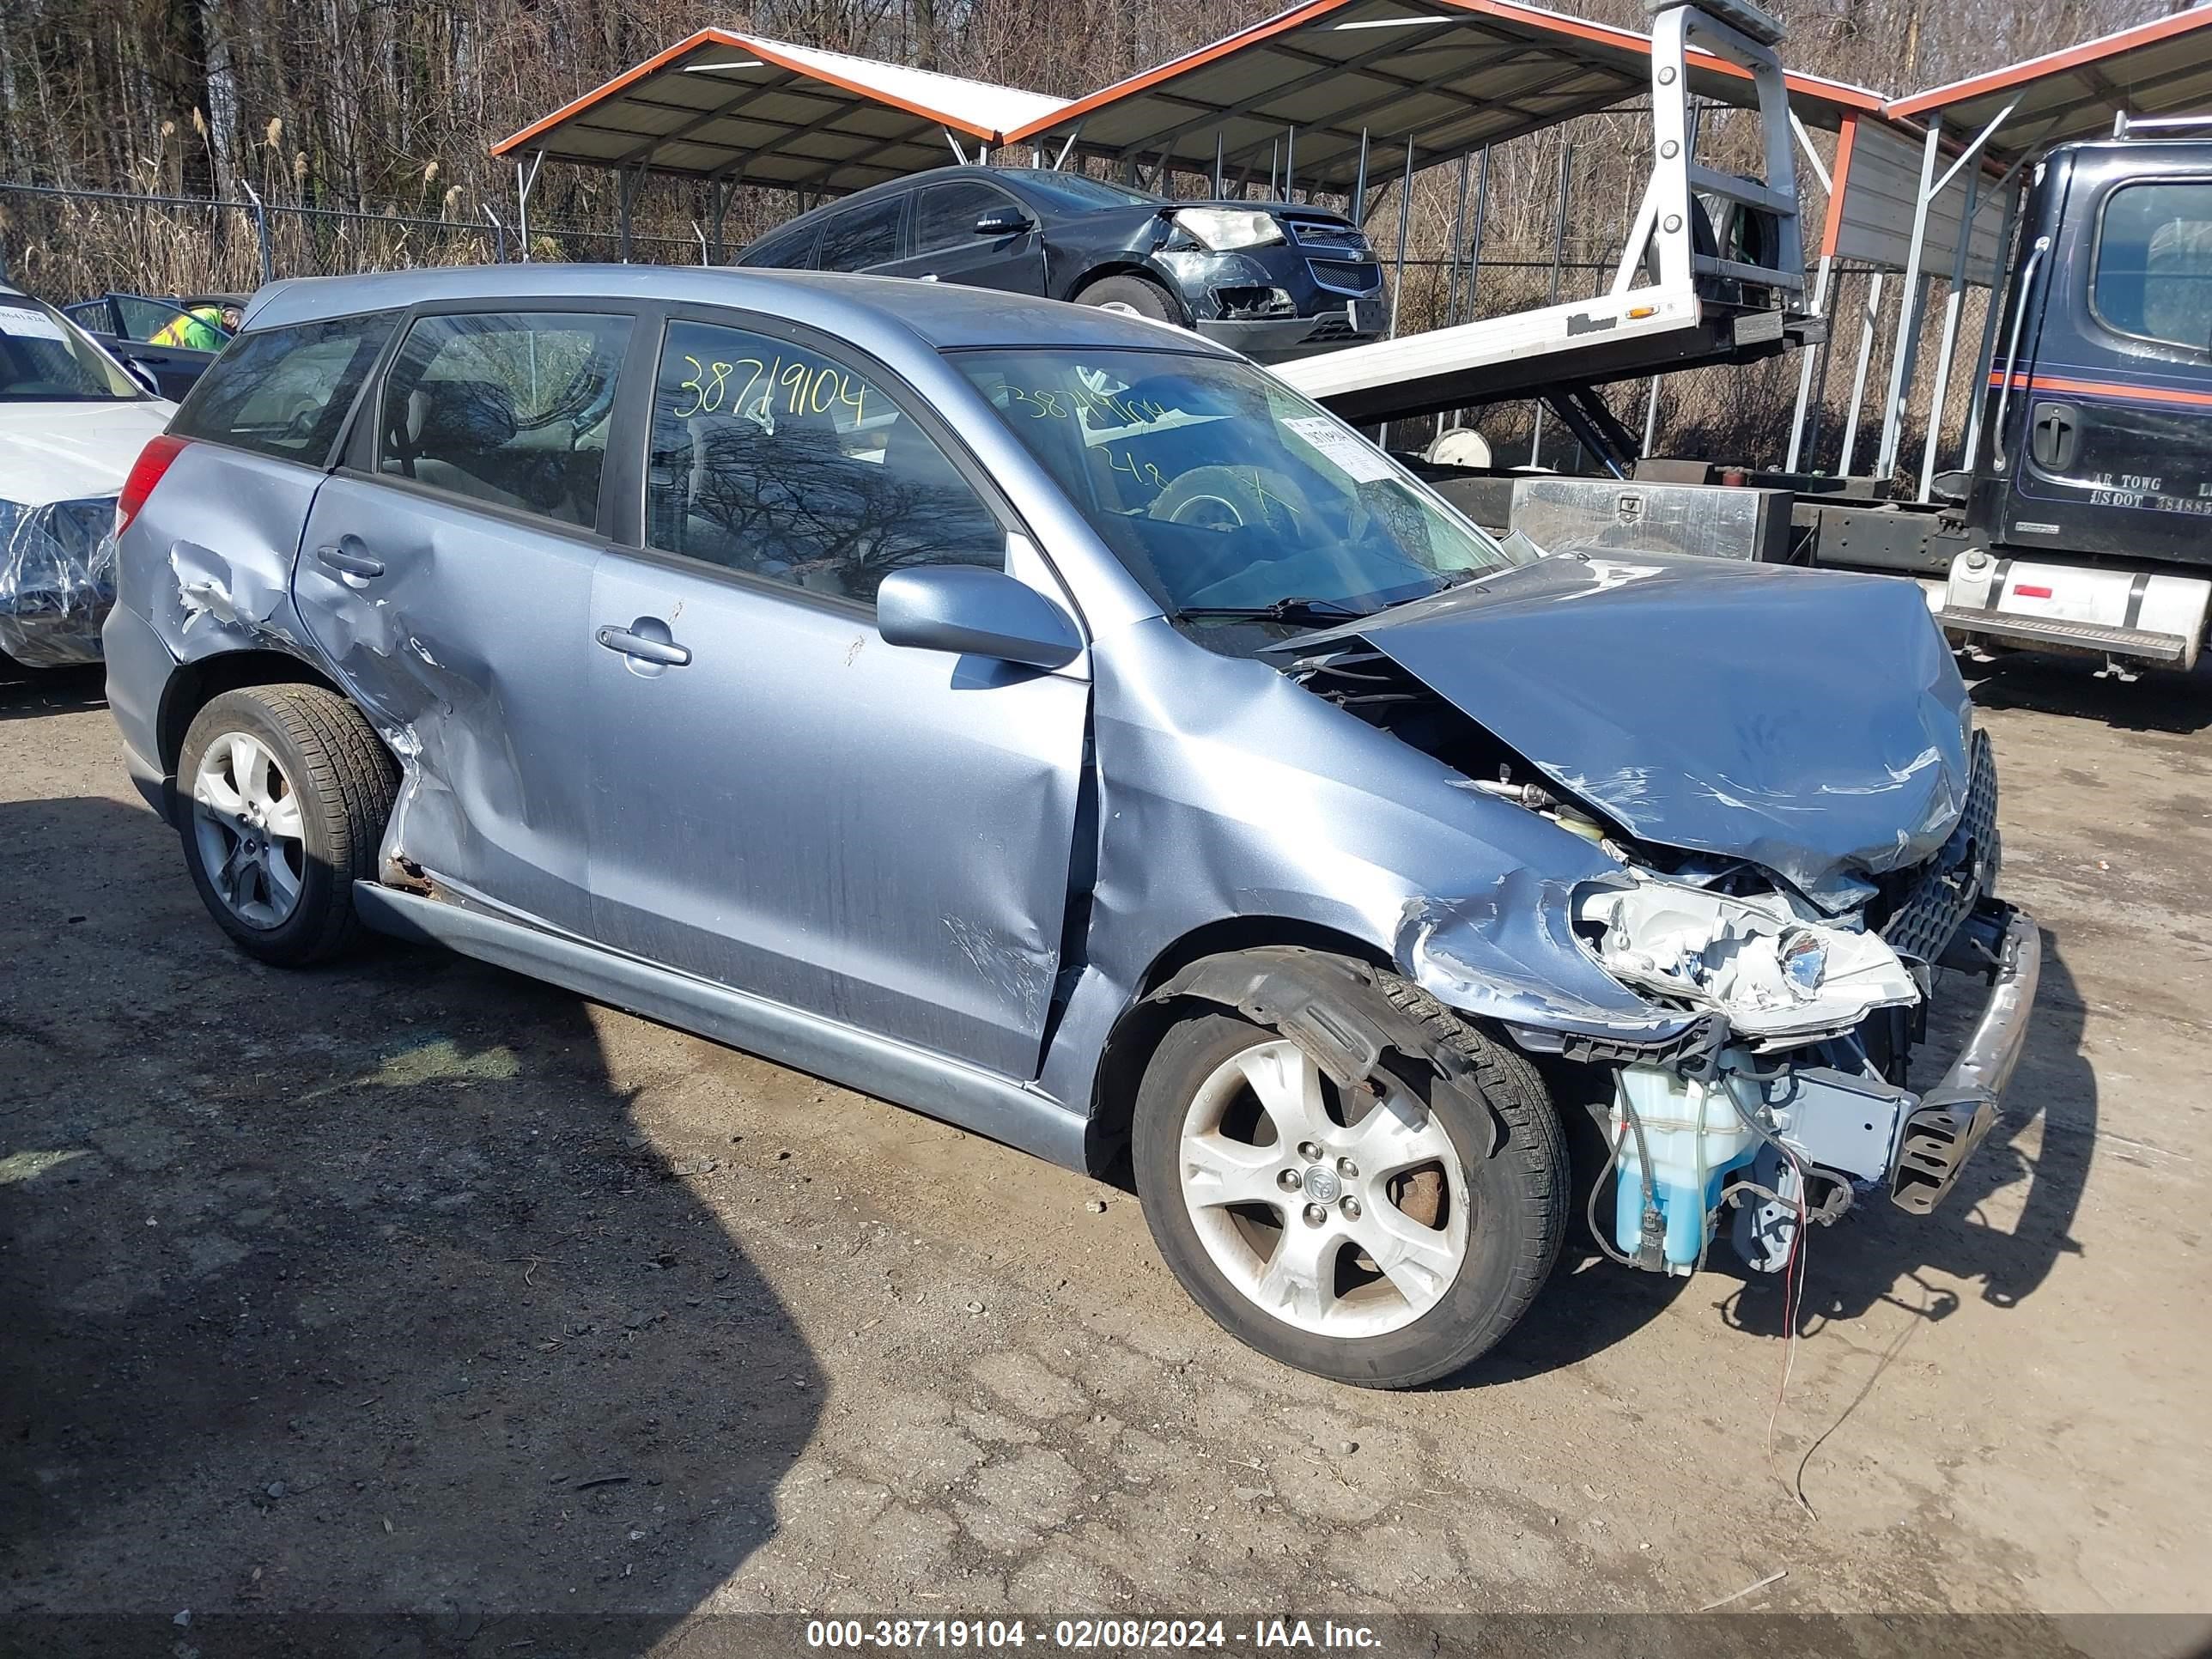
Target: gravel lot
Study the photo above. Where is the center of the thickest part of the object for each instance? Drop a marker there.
(415, 1285)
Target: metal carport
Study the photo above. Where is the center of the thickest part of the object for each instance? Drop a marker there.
(1430, 80)
(727, 109)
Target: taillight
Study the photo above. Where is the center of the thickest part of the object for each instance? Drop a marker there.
(153, 461)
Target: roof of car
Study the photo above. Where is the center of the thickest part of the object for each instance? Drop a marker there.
(947, 174)
(870, 311)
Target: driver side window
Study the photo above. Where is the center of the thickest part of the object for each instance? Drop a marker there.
(511, 409)
(773, 460)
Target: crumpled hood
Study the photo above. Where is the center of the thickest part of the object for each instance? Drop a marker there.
(56, 451)
(1812, 723)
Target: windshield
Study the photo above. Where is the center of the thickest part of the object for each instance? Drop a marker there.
(43, 359)
(1075, 192)
(1225, 493)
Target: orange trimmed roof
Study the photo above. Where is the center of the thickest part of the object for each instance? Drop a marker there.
(1448, 75)
(2160, 68)
(740, 107)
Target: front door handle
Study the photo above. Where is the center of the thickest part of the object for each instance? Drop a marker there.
(665, 653)
(350, 561)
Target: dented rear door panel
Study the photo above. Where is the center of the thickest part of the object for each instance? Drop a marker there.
(463, 651)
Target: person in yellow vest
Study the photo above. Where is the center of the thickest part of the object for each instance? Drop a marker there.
(196, 329)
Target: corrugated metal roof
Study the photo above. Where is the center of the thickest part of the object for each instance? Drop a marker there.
(745, 107)
(2160, 68)
(1446, 76)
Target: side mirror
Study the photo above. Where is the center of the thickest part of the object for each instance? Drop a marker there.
(139, 372)
(1002, 222)
(974, 611)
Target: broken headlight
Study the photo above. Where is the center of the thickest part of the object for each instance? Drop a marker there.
(1775, 970)
(1223, 230)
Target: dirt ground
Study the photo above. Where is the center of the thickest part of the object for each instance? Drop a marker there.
(414, 1285)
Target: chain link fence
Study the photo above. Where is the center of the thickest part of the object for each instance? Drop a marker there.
(66, 244)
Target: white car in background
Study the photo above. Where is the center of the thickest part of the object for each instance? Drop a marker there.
(72, 422)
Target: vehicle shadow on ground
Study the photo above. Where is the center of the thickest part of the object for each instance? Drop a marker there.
(32, 693)
(350, 1292)
(2161, 701)
(2045, 1141)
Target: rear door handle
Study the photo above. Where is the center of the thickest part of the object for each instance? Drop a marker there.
(667, 653)
(350, 562)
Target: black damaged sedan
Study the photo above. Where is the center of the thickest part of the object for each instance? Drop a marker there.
(1273, 280)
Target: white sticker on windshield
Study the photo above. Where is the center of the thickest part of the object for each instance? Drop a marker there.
(1360, 460)
(27, 324)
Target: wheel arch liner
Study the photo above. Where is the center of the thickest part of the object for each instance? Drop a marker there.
(1331, 1008)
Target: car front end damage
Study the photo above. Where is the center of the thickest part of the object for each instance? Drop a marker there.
(1788, 885)
(1270, 282)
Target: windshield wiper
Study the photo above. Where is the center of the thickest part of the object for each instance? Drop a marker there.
(1318, 613)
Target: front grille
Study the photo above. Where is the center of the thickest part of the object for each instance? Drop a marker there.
(1340, 237)
(1945, 888)
(1348, 275)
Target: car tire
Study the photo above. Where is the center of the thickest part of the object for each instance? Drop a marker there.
(1134, 295)
(283, 792)
(1511, 1205)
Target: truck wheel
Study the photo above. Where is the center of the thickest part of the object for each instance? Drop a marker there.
(287, 789)
(1133, 296)
(1373, 1243)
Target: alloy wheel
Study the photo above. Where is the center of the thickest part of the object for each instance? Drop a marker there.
(252, 840)
(1343, 1217)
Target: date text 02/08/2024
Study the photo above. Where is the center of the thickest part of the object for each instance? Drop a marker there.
(1088, 1635)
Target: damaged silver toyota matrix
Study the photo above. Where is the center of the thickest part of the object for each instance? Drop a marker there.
(1048, 720)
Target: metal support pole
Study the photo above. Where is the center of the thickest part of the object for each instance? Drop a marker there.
(1290, 162)
(525, 176)
(1405, 223)
(1949, 347)
(1475, 244)
(1805, 367)
(1859, 377)
(1218, 154)
(1452, 270)
(261, 233)
(1650, 418)
(1458, 241)
(625, 188)
(1359, 184)
(499, 234)
(1970, 451)
(1559, 253)
(1911, 301)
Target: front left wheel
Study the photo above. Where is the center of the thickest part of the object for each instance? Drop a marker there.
(1382, 1239)
(287, 791)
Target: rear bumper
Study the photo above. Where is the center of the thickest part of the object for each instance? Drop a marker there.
(1956, 1115)
(138, 670)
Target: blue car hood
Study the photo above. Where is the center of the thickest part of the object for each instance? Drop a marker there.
(1814, 724)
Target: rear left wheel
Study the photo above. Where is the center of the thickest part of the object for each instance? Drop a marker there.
(1378, 1240)
(287, 788)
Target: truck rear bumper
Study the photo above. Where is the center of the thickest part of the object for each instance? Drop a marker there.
(2129, 616)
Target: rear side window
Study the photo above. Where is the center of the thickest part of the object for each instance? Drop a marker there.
(510, 409)
(788, 250)
(863, 237)
(285, 392)
(2154, 271)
